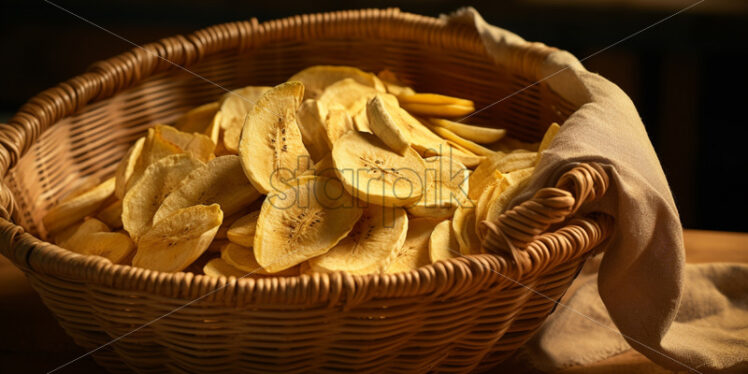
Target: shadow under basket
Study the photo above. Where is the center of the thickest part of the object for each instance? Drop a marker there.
(465, 314)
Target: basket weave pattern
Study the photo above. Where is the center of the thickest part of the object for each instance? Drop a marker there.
(464, 314)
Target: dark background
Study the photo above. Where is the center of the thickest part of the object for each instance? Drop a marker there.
(687, 76)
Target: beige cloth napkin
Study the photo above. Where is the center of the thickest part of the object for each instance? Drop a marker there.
(641, 274)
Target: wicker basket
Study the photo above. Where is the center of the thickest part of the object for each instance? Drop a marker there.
(465, 314)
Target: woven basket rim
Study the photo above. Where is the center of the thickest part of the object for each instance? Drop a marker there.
(438, 279)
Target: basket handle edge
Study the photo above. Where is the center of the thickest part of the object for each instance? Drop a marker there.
(518, 227)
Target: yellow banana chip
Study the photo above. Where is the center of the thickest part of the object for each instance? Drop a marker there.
(463, 224)
(78, 207)
(218, 267)
(112, 214)
(67, 237)
(338, 123)
(242, 231)
(438, 110)
(197, 119)
(446, 188)
(235, 108)
(115, 246)
(176, 241)
(443, 244)
(311, 121)
(373, 173)
(317, 78)
(145, 197)
(243, 258)
(383, 125)
(198, 145)
(371, 246)
(415, 252)
(510, 186)
(220, 181)
(271, 149)
(126, 168)
(302, 222)
(478, 134)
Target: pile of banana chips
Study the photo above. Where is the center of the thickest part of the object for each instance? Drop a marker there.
(336, 169)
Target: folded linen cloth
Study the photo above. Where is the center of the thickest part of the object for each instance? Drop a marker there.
(641, 274)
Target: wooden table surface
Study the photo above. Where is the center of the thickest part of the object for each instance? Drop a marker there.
(31, 341)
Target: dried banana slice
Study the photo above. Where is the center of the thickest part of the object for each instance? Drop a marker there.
(443, 244)
(115, 246)
(67, 237)
(508, 188)
(226, 224)
(271, 147)
(415, 251)
(317, 78)
(242, 232)
(352, 97)
(163, 141)
(325, 167)
(338, 123)
(235, 106)
(550, 133)
(463, 224)
(384, 127)
(176, 241)
(76, 208)
(467, 144)
(197, 119)
(145, 197)
(370, 247)
(218, 267)
(478, 134)
(515, 161)
(374, 174)
(486, 172)
(111, 214)
(126, 168)
(315, 215)
(311, 121)
(243, 258)
(198, 145)
(213, 131)
(446, 188)
(484, 175)
(220, 181)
